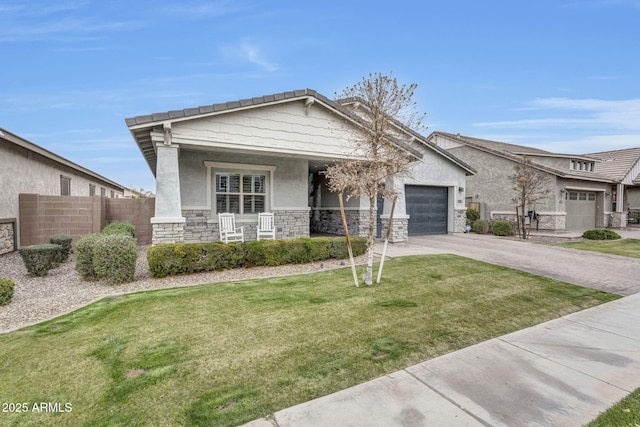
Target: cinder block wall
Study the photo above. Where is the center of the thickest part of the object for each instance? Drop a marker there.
(134, 211)
(42, 217)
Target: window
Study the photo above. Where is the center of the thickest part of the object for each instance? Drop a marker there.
(112, 194)
(103, 191)
(581, 166)
(65, 185)
(240, 193)
(92, 190)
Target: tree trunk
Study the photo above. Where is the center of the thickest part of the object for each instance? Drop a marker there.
(371, 240)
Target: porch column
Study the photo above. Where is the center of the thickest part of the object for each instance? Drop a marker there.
(619, 217)
(168, 222)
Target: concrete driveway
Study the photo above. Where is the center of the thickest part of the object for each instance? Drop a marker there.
(615, 274)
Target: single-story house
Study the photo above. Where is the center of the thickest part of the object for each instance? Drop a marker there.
(267, 154)
(585, 191)
(28, 168)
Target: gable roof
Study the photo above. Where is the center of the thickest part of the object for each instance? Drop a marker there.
(518, 153)
(14, 139)
(141, 126)
(622, 165)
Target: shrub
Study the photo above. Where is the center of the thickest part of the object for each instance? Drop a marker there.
(39, 259)
(114, 258)
(84, 255)
(502, 228)
(182, 258)
(472, 216)
(481, 226)
(6, 290)
(65, 242)
(120, 227)
(601, 234)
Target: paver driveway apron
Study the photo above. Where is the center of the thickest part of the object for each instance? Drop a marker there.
(610, 273)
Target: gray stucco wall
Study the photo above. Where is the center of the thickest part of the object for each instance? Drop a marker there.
(289, 186)
(492, 188)
(22, 171)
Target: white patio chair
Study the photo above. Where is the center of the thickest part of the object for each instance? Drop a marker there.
(266, 227)
(228, 230)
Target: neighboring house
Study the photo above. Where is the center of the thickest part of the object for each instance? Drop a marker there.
(268, 154)
(28, 168)
(585, 191)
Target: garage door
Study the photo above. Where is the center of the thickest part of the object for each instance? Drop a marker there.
(427, 209)
(581, 210)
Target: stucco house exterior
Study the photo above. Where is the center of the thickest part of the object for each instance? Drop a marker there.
(267, 154)
(28, 168)
(585, 191)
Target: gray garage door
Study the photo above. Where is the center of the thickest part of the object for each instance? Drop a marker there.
(581, 210)
(427, 209)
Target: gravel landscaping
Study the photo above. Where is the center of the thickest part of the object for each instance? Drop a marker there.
(41, 298)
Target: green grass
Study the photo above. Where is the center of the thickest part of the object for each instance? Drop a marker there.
(625, 247)
(228, 353)
(625, 413)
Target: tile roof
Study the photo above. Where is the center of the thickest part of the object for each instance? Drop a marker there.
(618, 163)
(517, 153)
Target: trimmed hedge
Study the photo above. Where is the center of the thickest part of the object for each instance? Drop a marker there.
(601, 234)
(481, 226)
(84, 255)
(6, 290)
(184, 258)
(502, 228)
(472, 216)
(65, 242)
(114, 258)
(39, 259)
(120, 227)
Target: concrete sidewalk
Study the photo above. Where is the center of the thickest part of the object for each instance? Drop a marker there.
(559, 373)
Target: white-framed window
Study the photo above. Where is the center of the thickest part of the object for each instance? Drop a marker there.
(241, 193)
(243, 189)
(92, 190)
(581, 166)
(65, 185)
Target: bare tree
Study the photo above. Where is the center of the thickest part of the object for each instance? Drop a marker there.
(382, 109)
(530, 185)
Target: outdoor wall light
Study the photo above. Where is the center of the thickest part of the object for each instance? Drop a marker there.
(563, 190)
(461, 189)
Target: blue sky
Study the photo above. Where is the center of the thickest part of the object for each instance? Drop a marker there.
(560, 75)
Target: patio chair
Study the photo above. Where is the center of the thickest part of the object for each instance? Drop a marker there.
(228, 230)
(266, 228)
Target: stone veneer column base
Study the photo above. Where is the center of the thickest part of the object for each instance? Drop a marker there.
(291, 223)
(167, 230)
(618, 219)
(399, 230)
(7, 235)
(460, 220)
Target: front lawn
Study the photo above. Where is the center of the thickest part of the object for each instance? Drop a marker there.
(625, 247)
(625, 413)
(228, 353)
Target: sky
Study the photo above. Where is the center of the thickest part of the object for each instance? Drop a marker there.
(560, 75)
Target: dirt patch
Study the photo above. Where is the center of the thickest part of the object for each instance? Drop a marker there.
(134, 373)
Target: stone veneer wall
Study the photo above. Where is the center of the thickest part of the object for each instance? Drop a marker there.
(168, 233)
(289, 223)
(460, 220)
(7, 235)
(552, 222)
(330, 221)
(618, 220)
(399, 231)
